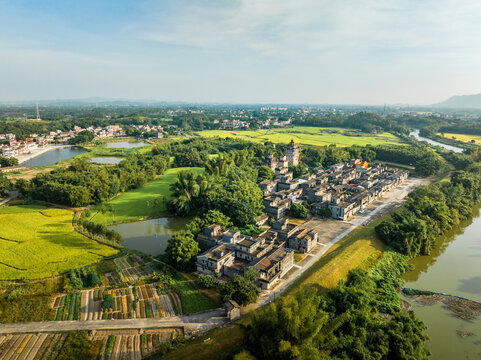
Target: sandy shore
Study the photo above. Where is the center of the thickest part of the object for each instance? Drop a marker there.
(24, 157)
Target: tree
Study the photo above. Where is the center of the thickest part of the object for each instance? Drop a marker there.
(288, 328)
(240, 289)
(206, 281)
(182, 250)
(5, 185)
(82, 137)
(108, 302)
(92, 280)
(299, 170)
(6, 162)
(264, 173)
(75, 281)
(23, 186)
(187, 191)
(325, 212)
(298, 211)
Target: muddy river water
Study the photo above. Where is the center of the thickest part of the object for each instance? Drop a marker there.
(454, 267)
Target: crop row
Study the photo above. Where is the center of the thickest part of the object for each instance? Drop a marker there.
(69, 307)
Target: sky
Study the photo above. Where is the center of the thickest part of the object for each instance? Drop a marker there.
(243, 51)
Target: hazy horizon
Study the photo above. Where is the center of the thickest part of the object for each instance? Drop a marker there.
(241, 52)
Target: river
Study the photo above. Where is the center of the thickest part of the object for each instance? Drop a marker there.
(53, 156)
(454, 267)
(149, 236)
(416, 135)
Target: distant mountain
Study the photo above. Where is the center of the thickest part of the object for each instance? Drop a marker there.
(462, 102)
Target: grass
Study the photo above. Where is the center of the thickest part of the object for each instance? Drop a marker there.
(192, 300)
(463, 137)
(38, 242)
(139, 203)
(28, 302)
(306, 135)
(352, 251)
(221, 344)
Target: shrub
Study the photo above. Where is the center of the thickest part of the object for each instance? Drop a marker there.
(206, 281)
(108, 302)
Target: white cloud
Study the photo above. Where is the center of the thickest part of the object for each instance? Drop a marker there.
(277, 27)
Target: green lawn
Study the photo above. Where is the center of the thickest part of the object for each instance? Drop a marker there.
(38, 242)
(140, 203)
(306, 135)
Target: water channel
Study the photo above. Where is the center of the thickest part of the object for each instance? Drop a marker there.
(416, 135)
(53, 156)
(149, 236)
(454, 267)
(125, 145)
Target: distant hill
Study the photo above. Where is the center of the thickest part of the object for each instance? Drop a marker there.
(462, 101)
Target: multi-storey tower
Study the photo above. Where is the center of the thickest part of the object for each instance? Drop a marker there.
(293, 153)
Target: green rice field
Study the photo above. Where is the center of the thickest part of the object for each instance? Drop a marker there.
(38, 242)
(146, 202)
(306, 135)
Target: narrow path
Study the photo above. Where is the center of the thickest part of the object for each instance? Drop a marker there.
(12, 195)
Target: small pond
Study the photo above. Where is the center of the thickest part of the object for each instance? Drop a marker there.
(106, 160)
(149, 236)
(125, 145)
(53, 156)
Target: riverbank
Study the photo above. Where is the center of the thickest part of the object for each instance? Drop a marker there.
(34, 153)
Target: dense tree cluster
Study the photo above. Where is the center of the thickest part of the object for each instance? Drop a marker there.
(83, 137)
(83, 183)
(242, 288)
(345, 323)
(298, 211)
(6, 162)
(430, 212)
(425, 160)
(364, 121)
(230, 186)
(100, 230)
(81, 278)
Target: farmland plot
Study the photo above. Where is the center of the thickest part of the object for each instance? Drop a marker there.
(132, 267)
(144, 301)
(31, 346)
(38, 242)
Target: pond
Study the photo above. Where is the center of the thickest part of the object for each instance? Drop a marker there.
(53, 156)
(454, 267)
(416, 135)
(125, 145)
(106, 160)
(149, 236)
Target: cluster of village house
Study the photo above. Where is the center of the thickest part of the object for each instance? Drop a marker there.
(34, 141)
(344, 189)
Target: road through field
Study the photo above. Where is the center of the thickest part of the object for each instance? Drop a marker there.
(200, 321)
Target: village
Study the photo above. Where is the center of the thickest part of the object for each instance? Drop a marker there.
(34, 142)
(338, 192)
